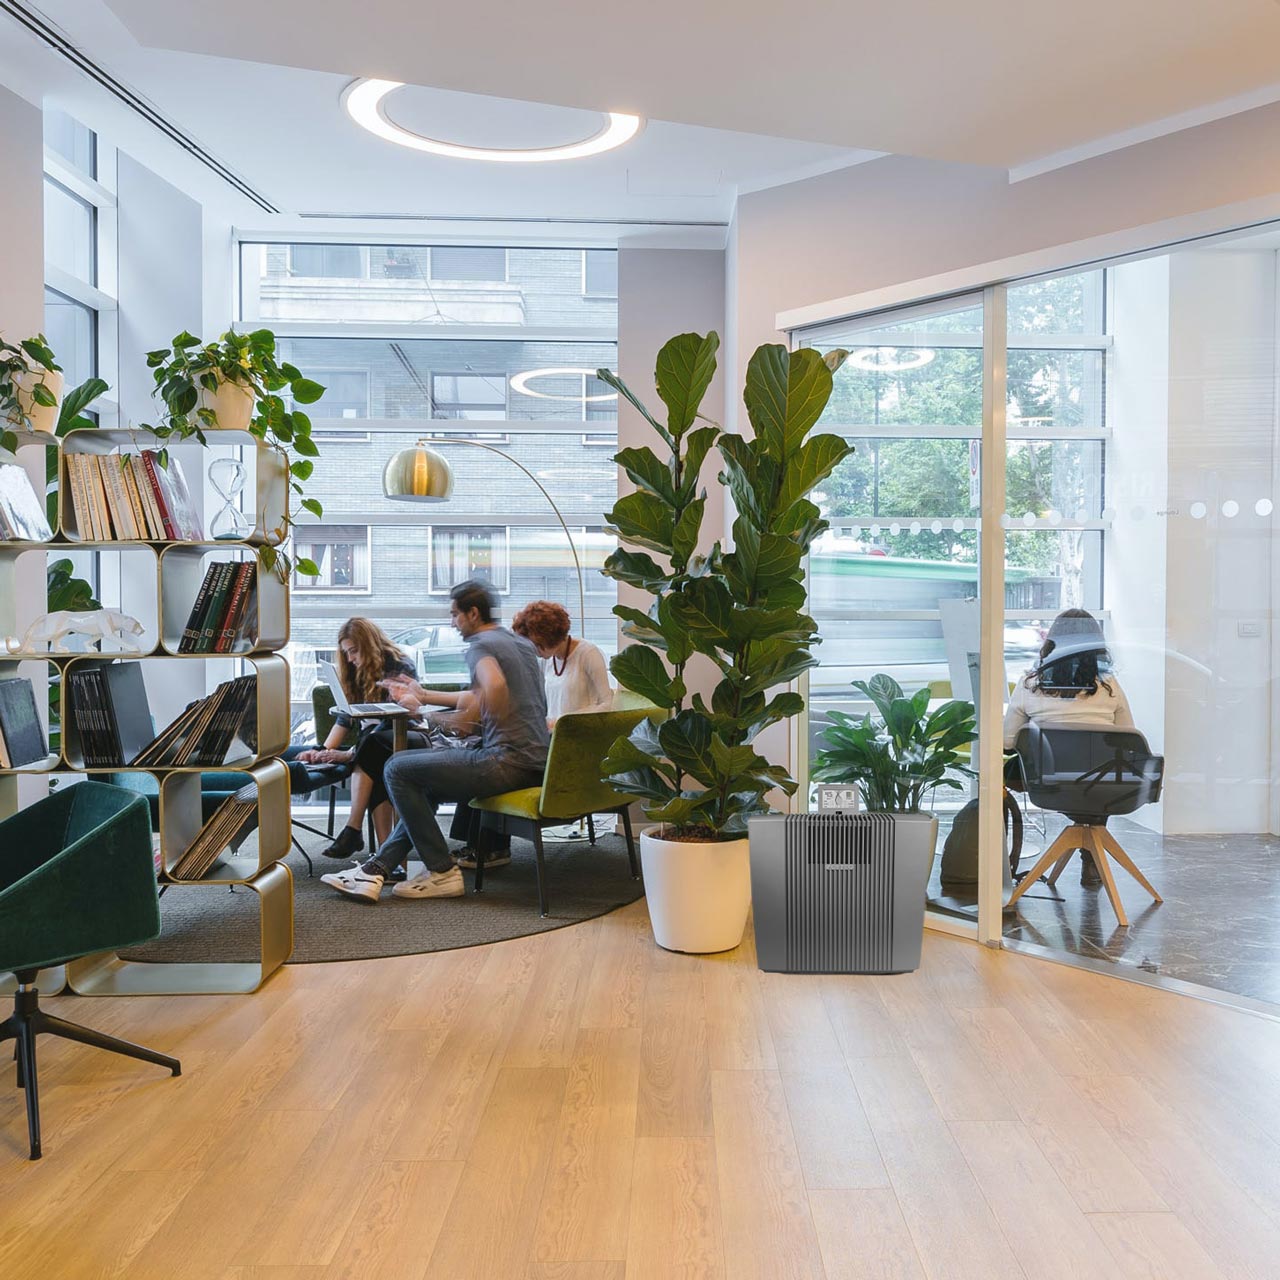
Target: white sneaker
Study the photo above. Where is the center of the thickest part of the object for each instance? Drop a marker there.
(438, 884)
(355, 884)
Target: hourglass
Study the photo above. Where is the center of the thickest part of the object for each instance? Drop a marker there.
(227, 476)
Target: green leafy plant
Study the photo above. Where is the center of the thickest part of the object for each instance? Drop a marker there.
(900, 756)
(31, 355)
(188, 367)
(743, 610)
(72, 416)
(63, 590)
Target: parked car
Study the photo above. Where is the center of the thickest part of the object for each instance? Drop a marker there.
(438, 652)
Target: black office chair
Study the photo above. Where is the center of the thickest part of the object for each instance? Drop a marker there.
(1090, 775)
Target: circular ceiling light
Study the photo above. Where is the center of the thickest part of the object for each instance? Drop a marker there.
(365, 102)
(869, 358)
(520, 383)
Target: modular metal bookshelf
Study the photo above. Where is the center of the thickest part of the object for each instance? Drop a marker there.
(177, 568)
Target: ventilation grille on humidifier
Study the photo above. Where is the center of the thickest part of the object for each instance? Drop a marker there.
(838, 893)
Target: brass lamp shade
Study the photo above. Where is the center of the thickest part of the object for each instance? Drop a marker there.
(418, 474)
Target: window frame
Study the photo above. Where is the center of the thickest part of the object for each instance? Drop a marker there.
(505, 540)
(302, 537)
(587, 292)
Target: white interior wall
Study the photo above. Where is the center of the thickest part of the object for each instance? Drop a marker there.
(22, 587)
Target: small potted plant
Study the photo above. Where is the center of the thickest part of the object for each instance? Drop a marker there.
(742, 610)
(900, 756)
(30, 389)
(235, 384)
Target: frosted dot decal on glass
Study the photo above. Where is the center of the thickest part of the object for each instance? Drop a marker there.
(1198, 510)
(1264, 506)
(1054, 517)
(936, 526)
(1029, 519)
(1230, 508)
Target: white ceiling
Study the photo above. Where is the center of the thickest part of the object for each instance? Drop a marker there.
(996, 82)
(284, 131)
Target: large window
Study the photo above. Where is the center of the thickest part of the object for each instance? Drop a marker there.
(466, 345)
(470, 552)
(341, 553)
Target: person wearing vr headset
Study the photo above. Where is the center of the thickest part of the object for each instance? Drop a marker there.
(1072, 686)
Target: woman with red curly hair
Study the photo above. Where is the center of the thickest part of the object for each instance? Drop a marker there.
(575, 673)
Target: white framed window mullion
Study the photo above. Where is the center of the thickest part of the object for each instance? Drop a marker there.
(991, 596)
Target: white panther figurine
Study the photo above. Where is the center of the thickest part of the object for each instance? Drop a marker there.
(50, 632)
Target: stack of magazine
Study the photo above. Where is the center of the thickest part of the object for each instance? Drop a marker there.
(232, 819)
(21, 734)
(110, 713)
(207, 730)
(225, 609)
(22, 515)
(131, 497)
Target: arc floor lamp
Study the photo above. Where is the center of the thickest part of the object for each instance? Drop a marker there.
(422, 474)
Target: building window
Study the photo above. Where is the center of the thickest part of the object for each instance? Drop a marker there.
(469, 264)
(341, 551)
(72, 330)
(71, 141)
(462, 552)
(600, 273)
(327, 261)
(70, 233)
(346, 395)
(470, 397)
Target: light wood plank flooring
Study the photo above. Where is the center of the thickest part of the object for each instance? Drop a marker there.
(584, 1106)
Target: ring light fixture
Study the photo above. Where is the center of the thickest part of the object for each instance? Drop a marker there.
(911, 358)
(365, 101)
(520, 383)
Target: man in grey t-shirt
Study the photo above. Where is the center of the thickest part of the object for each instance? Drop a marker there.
(508, 700)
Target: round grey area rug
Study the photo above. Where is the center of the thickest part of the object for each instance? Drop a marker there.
(208, 924)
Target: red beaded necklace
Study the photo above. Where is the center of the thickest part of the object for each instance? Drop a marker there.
(556, 665)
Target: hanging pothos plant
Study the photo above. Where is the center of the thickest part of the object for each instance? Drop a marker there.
(29, 358)
(188, 377)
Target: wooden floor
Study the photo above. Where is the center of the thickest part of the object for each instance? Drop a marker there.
(584, 1106)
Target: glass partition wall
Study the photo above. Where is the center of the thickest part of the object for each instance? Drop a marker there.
(1132, 408)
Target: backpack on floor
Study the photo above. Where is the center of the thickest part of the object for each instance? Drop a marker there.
(960, 850)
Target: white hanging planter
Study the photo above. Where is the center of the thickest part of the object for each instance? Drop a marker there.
(698, 892)
(232, 402)
(44, 417)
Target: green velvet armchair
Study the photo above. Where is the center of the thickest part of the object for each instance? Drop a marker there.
(76, 877)
(571, 786)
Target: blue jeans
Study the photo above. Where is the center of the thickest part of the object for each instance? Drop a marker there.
(419, 781)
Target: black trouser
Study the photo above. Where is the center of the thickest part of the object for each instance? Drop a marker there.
(372, 753)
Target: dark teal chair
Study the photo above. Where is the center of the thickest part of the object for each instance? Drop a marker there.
(76, 877)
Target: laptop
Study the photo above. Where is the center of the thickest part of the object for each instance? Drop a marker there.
(329, 673)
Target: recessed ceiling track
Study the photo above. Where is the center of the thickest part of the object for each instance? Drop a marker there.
(450, 217)
(44, 31)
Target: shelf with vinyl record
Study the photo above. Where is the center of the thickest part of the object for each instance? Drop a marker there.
(215, 614)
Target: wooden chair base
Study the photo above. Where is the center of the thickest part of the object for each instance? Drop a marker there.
(1100, 843)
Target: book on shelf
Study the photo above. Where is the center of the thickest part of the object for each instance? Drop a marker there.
(232, 819)
(22, 516)
(110, 712)
(217, 621)
(131, 497)
(22, 740)
(206, 732)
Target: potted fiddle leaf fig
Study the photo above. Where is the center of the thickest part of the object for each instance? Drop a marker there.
(236, 384)
(900, 756)
(30, 389)
(698, 773)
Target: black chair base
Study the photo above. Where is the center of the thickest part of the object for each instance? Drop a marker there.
(531, 829)
(28, 1021)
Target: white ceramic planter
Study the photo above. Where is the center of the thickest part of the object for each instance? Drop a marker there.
(231, 402)
(44, 417)
(698, 894)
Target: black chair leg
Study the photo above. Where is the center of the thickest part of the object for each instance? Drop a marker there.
(591, 828)
(542, 878)
(480, 856)
(333, 803)
(46, 1024)
(27, 1057)
(631, 843)
(310, 865)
